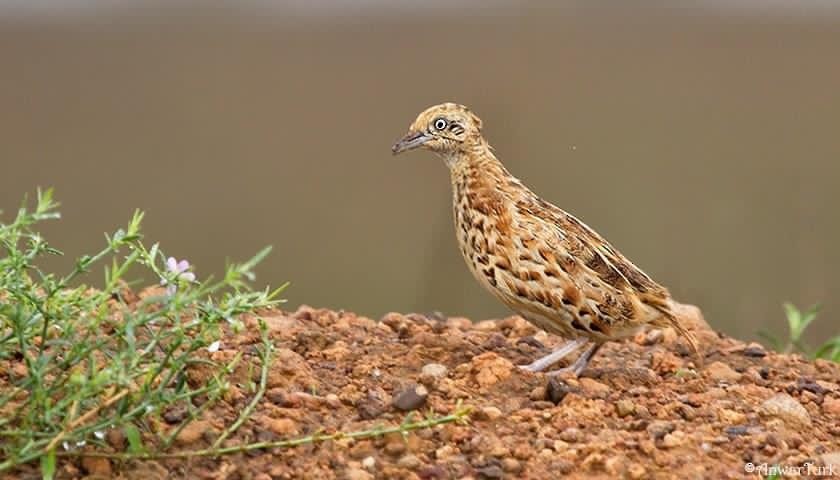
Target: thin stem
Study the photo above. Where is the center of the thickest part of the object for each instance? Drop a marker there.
(266, 361)
(460, 414)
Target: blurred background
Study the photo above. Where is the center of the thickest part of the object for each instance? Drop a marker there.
(702, 141)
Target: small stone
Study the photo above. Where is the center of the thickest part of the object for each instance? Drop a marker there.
(625, 408)
(571, 435)
(731, 416)
(409, 461)
(445, 452)
(673, 439)
(369, 463)
(831, 406)
(636, 471)
(333, 400)
(281, 426)
(787, 409)
(411, 398)
(489, 413)
(557, 389)
(362, 449)
(737, 430)
(658, 429)
(357, 474)
(511, 465)
(721, 372)
(97, 466)
(434, 370)
(174, 415)
(193, 432)
(615, 466)
(653, 337)
(594, 388)
(396, 446)
(116, 439)
(491, 472)
(754, 350)
(372, 405)
(490, 369)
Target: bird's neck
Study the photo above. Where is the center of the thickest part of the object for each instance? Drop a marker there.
(476, 165)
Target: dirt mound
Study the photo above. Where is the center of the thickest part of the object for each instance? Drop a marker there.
(640, 411)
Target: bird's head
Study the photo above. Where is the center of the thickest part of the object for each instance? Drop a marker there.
(445, 129)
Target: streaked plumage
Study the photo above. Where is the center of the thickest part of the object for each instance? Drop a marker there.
(537, 259)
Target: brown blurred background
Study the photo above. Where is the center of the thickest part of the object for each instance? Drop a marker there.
(703, 141)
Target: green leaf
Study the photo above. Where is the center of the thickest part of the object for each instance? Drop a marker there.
(798, 321)
(48, 465)
(829, 350)
(135, 443)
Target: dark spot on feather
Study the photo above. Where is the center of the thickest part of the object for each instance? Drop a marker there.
(571, 296)
(594, 326)
(552, 271)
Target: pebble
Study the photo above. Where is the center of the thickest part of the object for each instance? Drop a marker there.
(625, 408)
(571, 435)
(659, 428)
(557, 389)
(754, 350)
(491, 369)
(731, 416)
(636, 471)
(281, 426)
(409, 461)
(369, 463)
(490, 472)
(721, 372)
(736, 430)
(357, 474)
(787, 409)
(116, 438)
(434, 370)
(175, 415)
(445, 452)
(594, 388)
(511, 465)
(673, 439)
(489, 413)
(96, 466)
(831, 406)
(193, 432)
(411, 398)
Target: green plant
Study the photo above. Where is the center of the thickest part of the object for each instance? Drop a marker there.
(798, 321)
(87, 360)
(77, 362)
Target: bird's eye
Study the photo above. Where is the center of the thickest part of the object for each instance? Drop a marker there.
(440, 124)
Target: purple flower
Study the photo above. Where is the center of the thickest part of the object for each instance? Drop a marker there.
(181, 271)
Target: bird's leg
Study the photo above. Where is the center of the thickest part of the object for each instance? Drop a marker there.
(541, 364)
(580, 363)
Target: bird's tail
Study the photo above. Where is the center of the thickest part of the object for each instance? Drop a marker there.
(670, 319)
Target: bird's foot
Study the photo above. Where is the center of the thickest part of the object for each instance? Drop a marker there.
(541, 364)
(579, 364)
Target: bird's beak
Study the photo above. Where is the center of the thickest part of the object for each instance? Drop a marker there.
(410, 141)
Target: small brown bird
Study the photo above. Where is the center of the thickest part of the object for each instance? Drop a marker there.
(540, 261)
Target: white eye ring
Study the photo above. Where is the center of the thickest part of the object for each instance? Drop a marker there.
(440, 124)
